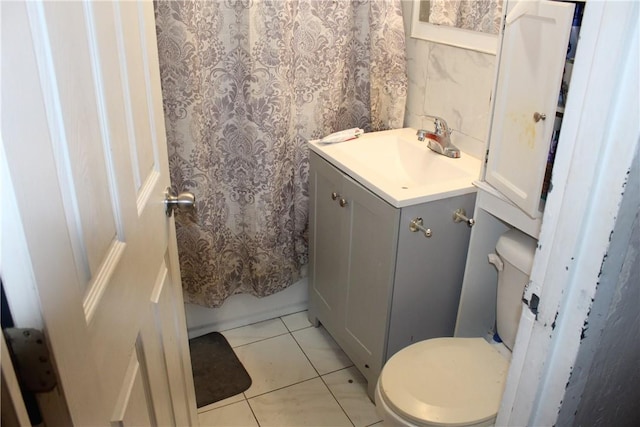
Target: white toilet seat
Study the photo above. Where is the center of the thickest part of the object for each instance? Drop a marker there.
(444, 381)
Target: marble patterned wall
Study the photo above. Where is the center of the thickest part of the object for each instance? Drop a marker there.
(452, 83)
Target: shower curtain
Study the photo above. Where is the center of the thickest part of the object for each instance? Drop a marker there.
(245, 84)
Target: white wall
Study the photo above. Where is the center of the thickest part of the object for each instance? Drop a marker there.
(452, 83)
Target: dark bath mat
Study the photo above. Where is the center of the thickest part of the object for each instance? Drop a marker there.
(217, 372)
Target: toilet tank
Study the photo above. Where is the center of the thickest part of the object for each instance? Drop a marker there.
(516, 250)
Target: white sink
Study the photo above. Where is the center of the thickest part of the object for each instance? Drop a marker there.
(400, 169)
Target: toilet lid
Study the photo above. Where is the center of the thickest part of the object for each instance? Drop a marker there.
(456, 381)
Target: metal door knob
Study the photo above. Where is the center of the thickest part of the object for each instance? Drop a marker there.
(184, 200)
(343, 203)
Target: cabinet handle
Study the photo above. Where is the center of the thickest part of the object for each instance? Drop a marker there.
(460, 215)
(537, 117)
(343, 202)
(416, 225)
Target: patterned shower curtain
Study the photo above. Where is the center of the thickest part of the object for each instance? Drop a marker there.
(245, 84)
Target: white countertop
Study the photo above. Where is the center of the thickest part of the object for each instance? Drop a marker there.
(400, 169)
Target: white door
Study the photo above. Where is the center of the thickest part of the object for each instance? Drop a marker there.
(84, 139)
(532, 58)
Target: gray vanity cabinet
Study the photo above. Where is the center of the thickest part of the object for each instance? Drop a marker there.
(429, 273)
(353, 236)
(375, 285)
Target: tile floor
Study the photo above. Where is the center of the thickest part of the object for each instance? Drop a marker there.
(300, 378)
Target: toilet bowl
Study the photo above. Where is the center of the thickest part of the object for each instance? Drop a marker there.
(459, 381)
(442, 381)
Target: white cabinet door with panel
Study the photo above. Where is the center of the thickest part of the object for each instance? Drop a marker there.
(352, 250)
(531, 63)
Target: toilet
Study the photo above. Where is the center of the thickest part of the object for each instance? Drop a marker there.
(460, 381)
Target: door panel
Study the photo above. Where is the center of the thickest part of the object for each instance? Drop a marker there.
(156, 385)
(532, 60)
(84, 138)
(136, 87)
(327, 248)
(74, 107)
(132, 407)
(371, 271)
(164, 315)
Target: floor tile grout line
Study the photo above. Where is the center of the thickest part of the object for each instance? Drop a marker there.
(305, 354)
(314, 367)
(297, 312)
(260, 340)
(299, 329)
(233, 403)
(337, 401)
(334, 396)
(252, 411)
(318, 375)
(291, 314)
(288, 331)
(248, 399)
(282, 388)
(268, 320)
(245, 398)
(339, 369)
(324, 382)
(254, 323)
(289, 385)
(222, 406)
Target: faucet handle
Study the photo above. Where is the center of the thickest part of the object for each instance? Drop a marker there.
(441, 126)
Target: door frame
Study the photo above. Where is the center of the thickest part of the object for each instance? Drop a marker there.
(599, 137)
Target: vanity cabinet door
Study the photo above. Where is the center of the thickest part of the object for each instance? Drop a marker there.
(372, 242)
(530, 70)
(353, 240)
(328, 252)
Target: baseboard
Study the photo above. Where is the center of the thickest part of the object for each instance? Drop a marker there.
(242, 309)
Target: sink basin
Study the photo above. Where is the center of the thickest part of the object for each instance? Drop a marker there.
(400, 169)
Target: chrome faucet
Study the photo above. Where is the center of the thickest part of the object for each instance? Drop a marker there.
(439, 138)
